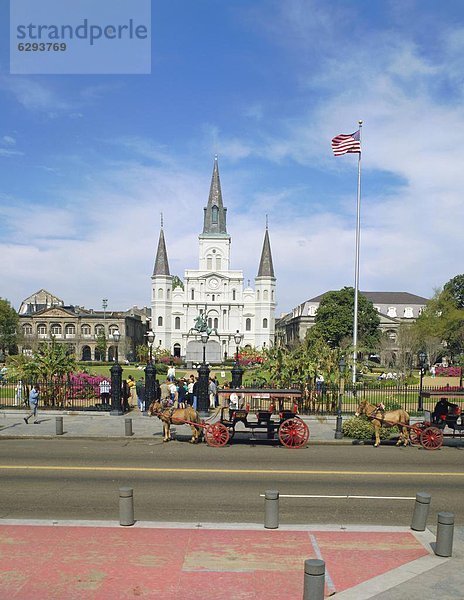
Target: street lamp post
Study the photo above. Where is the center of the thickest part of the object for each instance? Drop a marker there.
(116, 379)
(203, 379)
(422, 361)
(237, 371)
(341, 389)
(150, 372)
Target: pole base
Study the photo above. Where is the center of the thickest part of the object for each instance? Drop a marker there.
(338, 435)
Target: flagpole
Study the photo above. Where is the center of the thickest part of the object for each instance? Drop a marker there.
(356, 262)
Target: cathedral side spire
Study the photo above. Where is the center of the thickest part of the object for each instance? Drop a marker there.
(266, 267)
(161, 262)
(215, 213)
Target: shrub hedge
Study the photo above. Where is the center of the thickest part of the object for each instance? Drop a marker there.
(360, 428)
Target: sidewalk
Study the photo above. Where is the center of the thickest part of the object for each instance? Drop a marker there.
(87, 425)
(104, 425)
(221, 561)
(99, 560)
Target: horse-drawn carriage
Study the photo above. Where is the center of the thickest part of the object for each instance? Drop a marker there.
(428, 433)
(275, 417)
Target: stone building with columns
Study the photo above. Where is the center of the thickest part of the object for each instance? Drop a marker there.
(213, 290)
(43, 316)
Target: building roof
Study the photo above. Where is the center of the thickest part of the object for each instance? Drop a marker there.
(385, 298)
(215, 214)
(161, 261)
(266, 267)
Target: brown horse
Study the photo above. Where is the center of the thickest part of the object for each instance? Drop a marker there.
(381, 418)
(176, 416)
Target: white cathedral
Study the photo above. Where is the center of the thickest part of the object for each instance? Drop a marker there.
(214, 291)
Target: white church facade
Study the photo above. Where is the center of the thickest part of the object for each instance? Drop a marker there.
(215, 291)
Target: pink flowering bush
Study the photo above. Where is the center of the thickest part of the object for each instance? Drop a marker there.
(448, 371)
(85, 386)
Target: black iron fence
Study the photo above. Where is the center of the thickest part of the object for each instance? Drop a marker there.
(323, 400)
(54, 395)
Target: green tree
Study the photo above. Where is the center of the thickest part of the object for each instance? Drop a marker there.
(335, 315)
(101, 344)
(142, 352)
(443, 319)
(8, 327)
(455, 290)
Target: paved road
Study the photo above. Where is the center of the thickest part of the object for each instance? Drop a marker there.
(79, 479)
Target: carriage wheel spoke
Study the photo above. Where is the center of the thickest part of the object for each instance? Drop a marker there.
(216, 435)
(293, 433)
(431, 438)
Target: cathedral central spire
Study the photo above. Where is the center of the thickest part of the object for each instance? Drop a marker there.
(215, 214)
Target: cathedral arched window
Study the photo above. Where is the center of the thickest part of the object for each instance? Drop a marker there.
(234, 295)
(209, 263)
(218, 263)
(160, 321)
(216, 323)
(210, 322)
(215, 215)
(192, 294)
(265, 295)
(168, 293)
(272, 295)
(160, 293)
(248, 325)
(257, 294)
(264, 323)
(177, 323)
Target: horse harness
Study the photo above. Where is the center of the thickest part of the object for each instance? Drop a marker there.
(380, 408)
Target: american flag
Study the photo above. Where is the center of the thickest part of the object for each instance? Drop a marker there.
(343, 143)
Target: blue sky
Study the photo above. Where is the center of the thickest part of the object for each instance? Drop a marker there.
(87, 163)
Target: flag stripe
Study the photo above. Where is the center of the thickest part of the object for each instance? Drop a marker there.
(345, 143)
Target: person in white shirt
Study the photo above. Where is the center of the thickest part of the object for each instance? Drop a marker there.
(171, 372)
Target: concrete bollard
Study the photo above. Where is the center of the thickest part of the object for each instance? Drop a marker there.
(126, 506)
(314, 579)
(271, 509)
(59, 425)
(445, 532)
(421, 511)
(128, 426)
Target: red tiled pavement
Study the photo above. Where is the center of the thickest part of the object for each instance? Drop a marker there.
(90, 563)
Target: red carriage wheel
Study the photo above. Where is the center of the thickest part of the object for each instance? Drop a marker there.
(415, 434)
(294, 433)
(216, 435)
(431, 438)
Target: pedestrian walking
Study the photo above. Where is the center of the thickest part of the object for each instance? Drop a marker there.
(212, 390)
(33, 404)
(140, 388)
(171, 373)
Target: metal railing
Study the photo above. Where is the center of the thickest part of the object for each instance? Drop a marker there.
(322, 400)
(54, 395)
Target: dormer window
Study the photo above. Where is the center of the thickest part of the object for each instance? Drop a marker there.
(391, 312)
(408, 313)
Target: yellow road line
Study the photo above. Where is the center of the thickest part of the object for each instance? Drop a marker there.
(230, 471)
